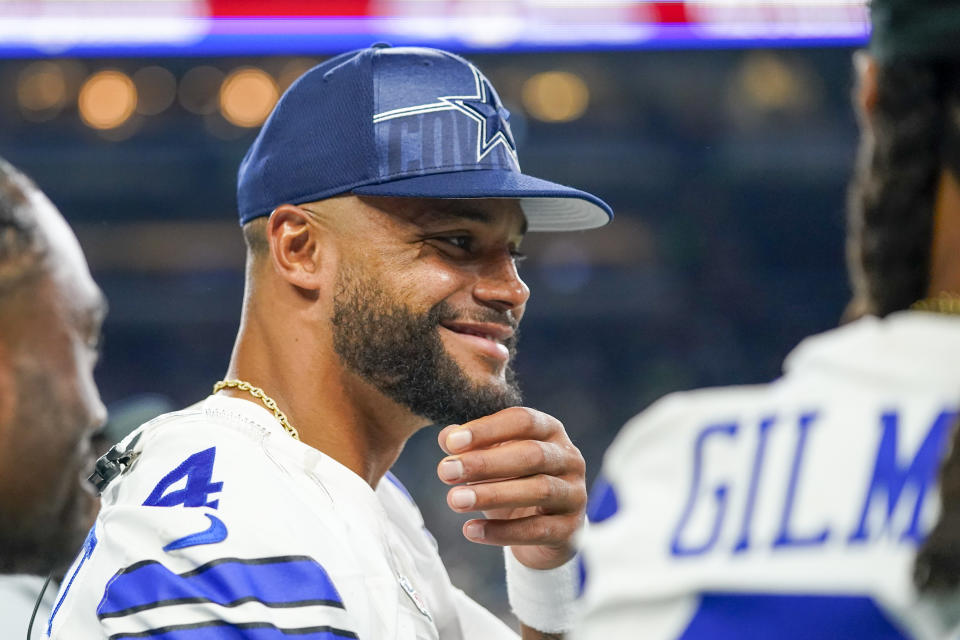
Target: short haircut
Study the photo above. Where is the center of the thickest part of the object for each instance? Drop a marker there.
(255, 237)
(22, 247)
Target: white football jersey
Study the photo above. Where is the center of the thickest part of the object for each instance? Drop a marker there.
(786, 511)
(226, 527)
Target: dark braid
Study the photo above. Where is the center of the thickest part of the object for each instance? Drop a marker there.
(890, 223)
(937, 565)
(890, 233)
(21, 245)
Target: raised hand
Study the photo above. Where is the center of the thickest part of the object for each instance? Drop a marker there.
(520, 469)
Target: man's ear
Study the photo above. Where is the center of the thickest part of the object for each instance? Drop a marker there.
(865, 89)
(296, 246)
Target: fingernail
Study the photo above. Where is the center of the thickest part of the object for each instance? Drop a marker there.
(463, 498)
(474, 531)
(459, 439)
(451, 470)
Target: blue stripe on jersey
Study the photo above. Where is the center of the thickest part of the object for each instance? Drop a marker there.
(755, 616)
(85, 552)
(581, 576)
(603, 501)
(216, 630)
(289, 581)
(395, 481)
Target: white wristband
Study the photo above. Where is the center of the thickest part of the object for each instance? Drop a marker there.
(543, 599)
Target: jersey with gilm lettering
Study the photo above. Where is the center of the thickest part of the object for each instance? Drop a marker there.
(226, 527)
(786, 511)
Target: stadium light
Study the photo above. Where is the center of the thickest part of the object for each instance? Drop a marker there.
(555, 96)
(107, 99)
(247, 96)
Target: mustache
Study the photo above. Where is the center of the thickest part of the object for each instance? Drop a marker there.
(444, 312)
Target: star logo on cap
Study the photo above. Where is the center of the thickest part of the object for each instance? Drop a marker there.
(486, 110)
(483, 107)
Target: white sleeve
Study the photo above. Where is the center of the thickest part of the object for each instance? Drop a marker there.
(458, 610)
(126, 589)
(477, 623)
(610, 608)
(202, 556)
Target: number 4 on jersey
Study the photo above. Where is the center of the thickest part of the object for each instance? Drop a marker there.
(197, 470)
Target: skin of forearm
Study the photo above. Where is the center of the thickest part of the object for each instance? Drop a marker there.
(526, 633)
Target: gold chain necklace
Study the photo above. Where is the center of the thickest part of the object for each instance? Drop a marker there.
(943, 303)
(267, 401)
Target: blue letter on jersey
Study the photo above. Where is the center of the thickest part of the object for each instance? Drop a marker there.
(743, 543)
(603, 501)
(198, 471)
(890, 478)
(786, 538)
(677, 547)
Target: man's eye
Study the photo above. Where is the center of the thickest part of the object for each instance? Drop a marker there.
(460, 242)
(517, 256)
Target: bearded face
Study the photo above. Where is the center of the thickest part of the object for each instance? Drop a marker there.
(51, 329)
(398, 349)
(49, 514)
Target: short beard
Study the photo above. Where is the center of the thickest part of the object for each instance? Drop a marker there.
(48, 543)
(401, 353)
(45, 537)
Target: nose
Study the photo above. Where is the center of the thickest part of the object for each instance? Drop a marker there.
(500, 286)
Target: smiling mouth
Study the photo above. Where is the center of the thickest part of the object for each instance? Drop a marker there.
(492, 331)
(486, 337)
(480, 334)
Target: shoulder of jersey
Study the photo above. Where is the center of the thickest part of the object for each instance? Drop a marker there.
(674, 415)
(219, 481)
(172, 449)
(201, 535)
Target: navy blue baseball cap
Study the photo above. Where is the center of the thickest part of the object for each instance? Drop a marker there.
(403, 122)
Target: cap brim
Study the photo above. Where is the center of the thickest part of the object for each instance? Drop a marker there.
(548, 206)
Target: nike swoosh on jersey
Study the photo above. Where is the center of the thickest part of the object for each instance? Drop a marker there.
(216, 532)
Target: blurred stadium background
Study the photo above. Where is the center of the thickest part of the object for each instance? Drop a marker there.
(719, 130)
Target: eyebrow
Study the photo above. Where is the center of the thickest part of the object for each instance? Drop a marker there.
(460, 211)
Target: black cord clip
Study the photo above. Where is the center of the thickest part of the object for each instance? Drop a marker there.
(112, 464)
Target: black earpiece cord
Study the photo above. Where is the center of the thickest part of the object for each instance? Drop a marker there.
(36, 605)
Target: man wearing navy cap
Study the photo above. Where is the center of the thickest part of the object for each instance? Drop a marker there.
(383, 209)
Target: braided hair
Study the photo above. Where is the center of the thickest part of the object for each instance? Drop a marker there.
(937, 566)
(915, 136)
(891, 199)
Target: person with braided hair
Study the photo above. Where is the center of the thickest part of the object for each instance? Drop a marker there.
(807, 508)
